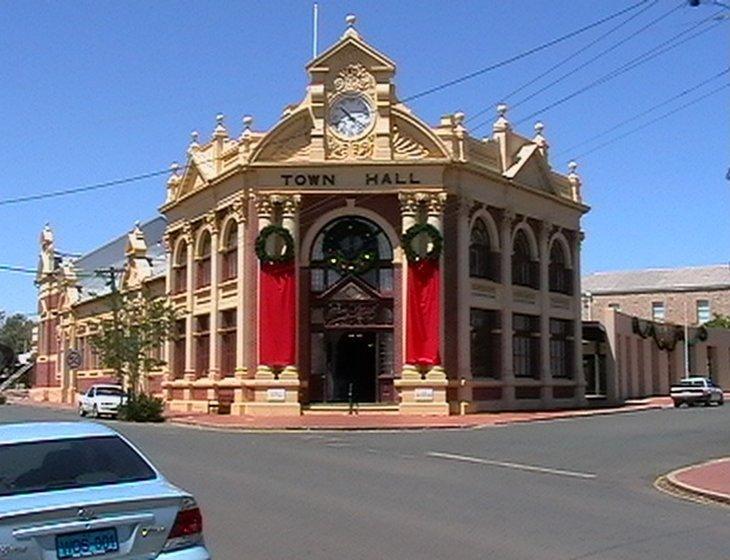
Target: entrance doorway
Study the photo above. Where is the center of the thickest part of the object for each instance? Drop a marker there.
(352, 361)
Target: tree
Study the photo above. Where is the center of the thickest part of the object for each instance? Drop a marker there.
(128, 338)
(719, 322)
(16, 331)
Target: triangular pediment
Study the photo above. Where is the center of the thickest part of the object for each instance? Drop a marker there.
(350, 289)
(531, 169)
(195, 177)
(351, 46)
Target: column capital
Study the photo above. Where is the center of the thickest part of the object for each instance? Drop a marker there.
(187, 231)
(408, 202)
(167, 242)
(435, 202)
(239, 209)
(264, 205)
(289, 204)
(211, 220)
(508, 217)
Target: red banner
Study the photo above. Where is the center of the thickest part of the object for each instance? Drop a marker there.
(423, 315)
(277, 314)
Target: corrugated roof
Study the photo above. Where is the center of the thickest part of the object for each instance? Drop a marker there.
(657, 280)
(112, 254)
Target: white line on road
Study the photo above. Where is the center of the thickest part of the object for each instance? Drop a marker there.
(517, 466)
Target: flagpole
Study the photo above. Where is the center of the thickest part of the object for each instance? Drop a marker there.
(315, 28)
(686, 342)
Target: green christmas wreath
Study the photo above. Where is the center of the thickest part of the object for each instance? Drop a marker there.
(435, 238)
(262, 240)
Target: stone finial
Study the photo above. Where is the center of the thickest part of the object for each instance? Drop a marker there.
(575, 182)
(194, 141)
(220, 129)
(539, 140)
(247, 122)
(501, 124)
(459, 118)
(350, 19)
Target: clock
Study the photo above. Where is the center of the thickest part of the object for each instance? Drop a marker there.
(350, 116)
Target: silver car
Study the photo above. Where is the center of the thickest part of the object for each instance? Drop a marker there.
(80, 490)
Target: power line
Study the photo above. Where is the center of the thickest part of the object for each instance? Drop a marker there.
(653, 121)
(645, 112)
(599, 55)
(522, 54)
(630, 65)
(554, 67)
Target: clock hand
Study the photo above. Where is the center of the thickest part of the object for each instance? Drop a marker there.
(349, 116)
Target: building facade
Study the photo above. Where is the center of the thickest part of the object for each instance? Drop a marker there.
(692, 294)
(350, 253)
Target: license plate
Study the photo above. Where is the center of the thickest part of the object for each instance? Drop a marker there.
(87, 543)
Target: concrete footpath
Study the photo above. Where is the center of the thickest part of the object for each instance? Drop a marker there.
(369, 420)
(707, 481)
(373, 421)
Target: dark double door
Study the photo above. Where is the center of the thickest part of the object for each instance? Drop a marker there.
(351, 365)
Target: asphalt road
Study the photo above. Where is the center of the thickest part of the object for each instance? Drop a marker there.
(563, 490)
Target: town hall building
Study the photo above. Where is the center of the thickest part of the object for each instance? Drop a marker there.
(351, 253)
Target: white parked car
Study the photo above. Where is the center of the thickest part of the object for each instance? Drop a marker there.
(80, 490)
(102, 400)
(695, 390)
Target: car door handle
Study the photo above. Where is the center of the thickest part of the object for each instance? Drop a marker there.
(70, 526)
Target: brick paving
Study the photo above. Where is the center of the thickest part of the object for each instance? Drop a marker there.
(708, 480)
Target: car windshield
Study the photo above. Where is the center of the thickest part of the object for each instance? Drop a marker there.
(109, 392)
(41, 466)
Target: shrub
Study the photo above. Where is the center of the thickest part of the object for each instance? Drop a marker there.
(144, 408)
(3, 399)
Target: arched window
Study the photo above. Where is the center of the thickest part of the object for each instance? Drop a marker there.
(351, 246)
(180, 269)
(203, 269)
(229, 269)
(559, 273)
(483, 262)
(524, 268)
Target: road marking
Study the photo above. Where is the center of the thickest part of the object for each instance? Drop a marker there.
(517, 466)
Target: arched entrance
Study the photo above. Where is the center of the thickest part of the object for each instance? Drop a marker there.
(351, 313)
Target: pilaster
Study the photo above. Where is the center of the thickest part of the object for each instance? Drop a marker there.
(544, 256)
(580, 381)
(508, 374)
(213, 364)
(189, 365)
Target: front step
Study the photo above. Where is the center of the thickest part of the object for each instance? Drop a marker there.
(339, 409)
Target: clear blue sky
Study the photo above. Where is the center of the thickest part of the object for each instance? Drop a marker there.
(98, 90)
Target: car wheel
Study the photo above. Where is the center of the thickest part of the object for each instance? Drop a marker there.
(82, 412)
(677, 404)
(721, 401)
(708, 402)
(95, 412)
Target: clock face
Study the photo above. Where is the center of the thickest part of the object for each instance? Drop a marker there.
(350, 116)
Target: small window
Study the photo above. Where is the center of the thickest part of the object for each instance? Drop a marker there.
(657, 311)
(703, 311)
(615, 306)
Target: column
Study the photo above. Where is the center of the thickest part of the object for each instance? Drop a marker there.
(265, 215)
(508, 373)
(464, 303)
(544, 256)
(239, 210)
(578, 376)
(213, 363)
(435, 217)
(409, 215)
(189, 365)
(167, 345)
(290, 221)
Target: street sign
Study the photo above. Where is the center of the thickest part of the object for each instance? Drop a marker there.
(74, 359)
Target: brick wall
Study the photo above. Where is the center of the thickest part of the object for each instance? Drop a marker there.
(640, 305)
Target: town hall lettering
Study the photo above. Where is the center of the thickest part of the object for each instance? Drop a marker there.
(325, 179)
